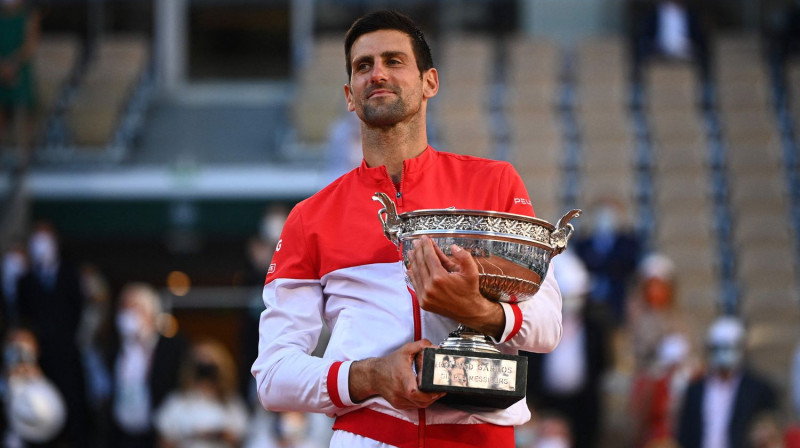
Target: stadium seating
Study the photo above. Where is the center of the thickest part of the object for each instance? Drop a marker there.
(105, 86)
(319, 98)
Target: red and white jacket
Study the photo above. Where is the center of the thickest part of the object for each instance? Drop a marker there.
(333, 264)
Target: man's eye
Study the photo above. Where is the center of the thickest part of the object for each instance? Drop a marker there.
(395, 61)
(363, 66)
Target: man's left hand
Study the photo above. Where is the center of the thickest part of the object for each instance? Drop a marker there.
(449, 287)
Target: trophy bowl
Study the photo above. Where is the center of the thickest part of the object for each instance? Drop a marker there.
(513, 253)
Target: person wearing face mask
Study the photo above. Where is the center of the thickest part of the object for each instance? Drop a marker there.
(145, 367)
(611, 254)
(206, 412)
(50, 300)
(34, 408)
(567, 380)
(720, 407)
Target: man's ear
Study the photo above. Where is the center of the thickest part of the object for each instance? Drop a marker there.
(348, 96)
(430, 83)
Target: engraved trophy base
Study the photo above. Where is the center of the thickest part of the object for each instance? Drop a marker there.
(473, 378)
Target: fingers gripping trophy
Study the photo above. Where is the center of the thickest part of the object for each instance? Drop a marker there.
(513, 253)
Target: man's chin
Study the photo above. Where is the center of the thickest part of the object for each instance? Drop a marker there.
(382, 118)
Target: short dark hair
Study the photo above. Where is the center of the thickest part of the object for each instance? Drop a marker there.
(389, 20)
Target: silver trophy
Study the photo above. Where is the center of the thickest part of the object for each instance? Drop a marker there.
(513, 254)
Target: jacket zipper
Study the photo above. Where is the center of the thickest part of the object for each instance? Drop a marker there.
(398, 190)
(398, 196)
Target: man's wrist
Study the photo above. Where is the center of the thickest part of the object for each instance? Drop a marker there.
(360, 380)
(495, 321)
(489, 318)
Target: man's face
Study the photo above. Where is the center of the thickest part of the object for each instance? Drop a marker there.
(386, 86)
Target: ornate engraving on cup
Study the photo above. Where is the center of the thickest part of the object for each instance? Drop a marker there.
(512, 251)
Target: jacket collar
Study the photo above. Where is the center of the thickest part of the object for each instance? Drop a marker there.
(410, 166)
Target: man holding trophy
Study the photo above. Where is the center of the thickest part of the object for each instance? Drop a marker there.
(384, 306)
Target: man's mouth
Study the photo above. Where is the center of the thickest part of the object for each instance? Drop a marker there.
(380, 92)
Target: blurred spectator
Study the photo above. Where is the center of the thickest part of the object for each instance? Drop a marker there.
(19, 35)
(765, 432)
(15, 265)
(720, 408)
(544, 430)
(35, 409)
(288, 430)
(145, 367)
(656, 393)
(669, 29)
(50, 301)
(259, 254)
(783, 35)
(652, 314)
(207, 410)
(793, 431)
(795, 381)
(611, 254)
(271, 224)
(93, 339)
(567, 380)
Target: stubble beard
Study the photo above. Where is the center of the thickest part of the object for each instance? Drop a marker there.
(385, 113)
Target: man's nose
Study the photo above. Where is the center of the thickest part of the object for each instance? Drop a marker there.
(378, 73)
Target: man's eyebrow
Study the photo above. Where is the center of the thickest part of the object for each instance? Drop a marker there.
(384, 55)
(363, 58)
(391, 54)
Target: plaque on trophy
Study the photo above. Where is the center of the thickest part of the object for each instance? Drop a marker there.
(513, 254)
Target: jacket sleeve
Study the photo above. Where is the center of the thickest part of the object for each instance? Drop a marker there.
(535, 324)
(287, 376)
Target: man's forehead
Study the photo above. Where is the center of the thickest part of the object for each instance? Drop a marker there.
(382, 41)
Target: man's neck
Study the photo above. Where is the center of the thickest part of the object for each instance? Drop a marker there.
(390, 146)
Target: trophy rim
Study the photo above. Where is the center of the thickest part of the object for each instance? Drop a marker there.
(484, 213)
(477, 234)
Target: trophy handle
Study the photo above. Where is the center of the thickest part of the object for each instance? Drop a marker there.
(392, 224)
(563, 232)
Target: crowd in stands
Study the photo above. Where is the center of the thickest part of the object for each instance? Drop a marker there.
(84, 369)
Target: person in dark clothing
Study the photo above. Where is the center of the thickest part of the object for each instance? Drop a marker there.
(670, 29)
(145, 367)
(611, 254)
(720, 407)
(50, 300)
(567, 381)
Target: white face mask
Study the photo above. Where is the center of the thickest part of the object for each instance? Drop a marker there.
(129, 324)
(606, 220)
(272, 226)
(44, 251)
(726, 357)
(293, 426)
(13, 268)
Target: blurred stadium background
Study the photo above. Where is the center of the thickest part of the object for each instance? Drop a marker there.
(166, 129)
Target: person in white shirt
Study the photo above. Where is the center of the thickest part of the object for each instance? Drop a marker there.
(144, 369)
(206, 412)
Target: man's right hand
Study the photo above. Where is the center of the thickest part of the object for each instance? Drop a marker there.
(392, 377)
